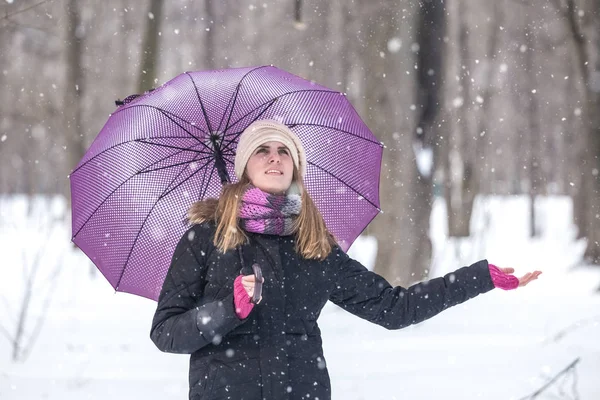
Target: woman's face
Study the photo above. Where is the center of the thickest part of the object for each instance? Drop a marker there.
(271, 167)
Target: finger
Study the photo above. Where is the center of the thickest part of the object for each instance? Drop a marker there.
(524, 279)
(251, 279)
(531, 277)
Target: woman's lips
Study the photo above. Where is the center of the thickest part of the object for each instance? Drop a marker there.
(274, 172)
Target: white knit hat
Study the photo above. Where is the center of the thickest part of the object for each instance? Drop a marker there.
(263, 131)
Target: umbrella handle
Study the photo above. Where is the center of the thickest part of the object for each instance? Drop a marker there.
(258, 278)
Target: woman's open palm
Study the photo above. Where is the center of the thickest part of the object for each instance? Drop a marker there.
(525, 279)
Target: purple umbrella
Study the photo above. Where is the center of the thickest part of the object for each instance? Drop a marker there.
(161, 151)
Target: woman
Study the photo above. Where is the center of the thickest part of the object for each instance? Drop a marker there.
(273, 349)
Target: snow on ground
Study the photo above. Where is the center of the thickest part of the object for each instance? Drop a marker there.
(95, 343)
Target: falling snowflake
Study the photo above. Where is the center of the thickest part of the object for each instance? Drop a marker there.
(394, 45)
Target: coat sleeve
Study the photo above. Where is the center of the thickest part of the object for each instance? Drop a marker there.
(185, 320)
(369, 296)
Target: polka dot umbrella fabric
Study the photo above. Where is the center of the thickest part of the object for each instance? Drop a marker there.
(158, 153)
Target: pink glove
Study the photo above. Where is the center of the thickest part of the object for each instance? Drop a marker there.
(502, 280)
(243, 306)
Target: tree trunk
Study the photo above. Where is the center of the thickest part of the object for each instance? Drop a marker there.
(461, 178)
(431, 56)
(150, 47)
(72, 107)
(404, 252)
(209, 36)
(592, 177)
(533, 132)
(587, 200)
(592, 252)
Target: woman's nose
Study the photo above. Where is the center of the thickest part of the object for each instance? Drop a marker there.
(275, 159)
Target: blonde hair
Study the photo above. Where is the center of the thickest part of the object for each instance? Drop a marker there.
(313, 240)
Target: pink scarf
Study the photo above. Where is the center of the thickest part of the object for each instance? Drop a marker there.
(267, 213)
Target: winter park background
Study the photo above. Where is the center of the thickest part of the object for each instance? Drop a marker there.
(502, 345)
(488, 111)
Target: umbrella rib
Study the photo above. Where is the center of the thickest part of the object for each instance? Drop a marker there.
(346, 184)
(117, 188)
(228, 153)
(206, 119)
(269, 104)
(144, 223)
(165, 112)
(173, 165)
(171, 117)
(274, 99)
(237, 134)
(338, 130)
(229, 110)
(227, 159)
(165, 193)
(235, 96)
(141, 141)
(172, 147)
(169, 137)
(204, 179)
(168, 114)
(102, 152)
(188, 132)
(205, 187)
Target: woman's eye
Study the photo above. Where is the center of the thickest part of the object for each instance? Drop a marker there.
(261, 151)
(282, 151)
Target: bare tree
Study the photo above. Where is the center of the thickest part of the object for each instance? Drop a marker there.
(209, 37)
(298, 12)
(7, 15)
(531, 107)
(430, 64)
(39, 281)
(150, 47)
(459, 157)
(72, 107)
(388, 51)
(587, 199)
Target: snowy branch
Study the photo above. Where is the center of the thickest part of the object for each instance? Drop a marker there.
(7, 335)
(42, 317)
(552, 381)
(7, 15)
(574, 326)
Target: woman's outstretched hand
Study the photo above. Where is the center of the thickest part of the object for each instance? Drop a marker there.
(525, 279)
(503, 279)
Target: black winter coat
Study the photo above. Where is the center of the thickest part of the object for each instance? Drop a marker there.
(276, 352)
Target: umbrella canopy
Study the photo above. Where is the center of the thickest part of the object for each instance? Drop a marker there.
(161, 151)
